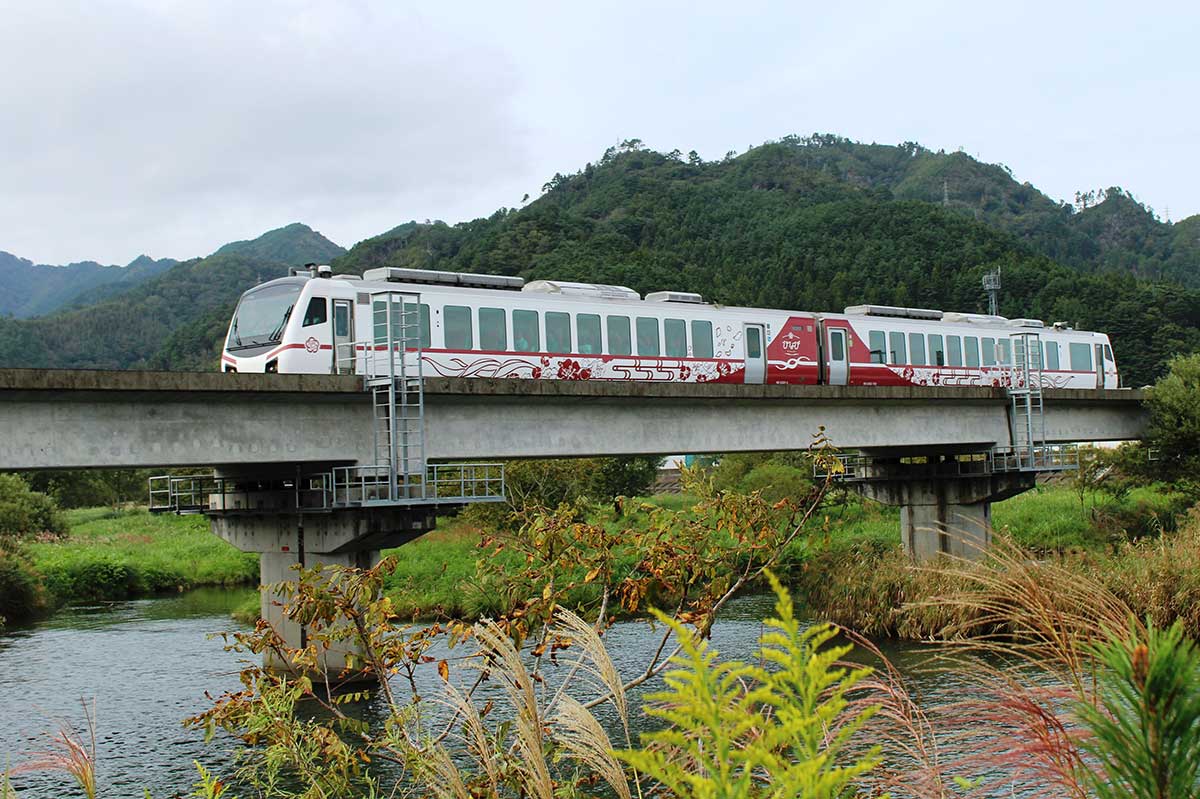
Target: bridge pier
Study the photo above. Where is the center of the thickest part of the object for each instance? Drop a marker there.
(945, 506)
(285, 539)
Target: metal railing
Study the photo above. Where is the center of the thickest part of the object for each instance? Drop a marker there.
(1043, 458)
(443, 483)
(208, 493)
(343, 487)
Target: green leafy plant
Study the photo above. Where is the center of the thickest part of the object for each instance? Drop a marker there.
(736, 729)
(1145, 720)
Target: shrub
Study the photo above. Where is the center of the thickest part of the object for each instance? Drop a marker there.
(25, 513)
(22, 595)
(1174, 428)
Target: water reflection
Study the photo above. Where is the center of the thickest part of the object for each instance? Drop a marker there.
(148, 664)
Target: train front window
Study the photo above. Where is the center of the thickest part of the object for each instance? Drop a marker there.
(261, 316)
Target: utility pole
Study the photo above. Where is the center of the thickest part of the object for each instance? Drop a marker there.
(991, 284)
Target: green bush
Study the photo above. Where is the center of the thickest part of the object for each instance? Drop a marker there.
(22, 595)
(25, 513)
(775, 482)
(1174, 429)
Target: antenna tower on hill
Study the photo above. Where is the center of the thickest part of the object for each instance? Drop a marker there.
(991, 284)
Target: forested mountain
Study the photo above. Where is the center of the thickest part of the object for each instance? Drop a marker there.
(814, 224)
(29, 289)
(295, 244)
(785, 225)
(175, 320)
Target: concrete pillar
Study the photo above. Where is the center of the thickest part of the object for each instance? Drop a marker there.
(285, 537)
(942, 511)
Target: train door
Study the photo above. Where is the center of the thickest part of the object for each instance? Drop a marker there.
(1098, 360)
(755, 354)
(343, 337)
(839, 358)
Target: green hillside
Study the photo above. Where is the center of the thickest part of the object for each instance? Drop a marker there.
(814, 224)
(785, 226)
(176, 320)
(28, 289)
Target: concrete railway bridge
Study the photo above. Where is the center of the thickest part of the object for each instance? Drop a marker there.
(336, 467)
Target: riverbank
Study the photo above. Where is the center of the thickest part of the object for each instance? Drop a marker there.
(110, 555)
(849, 569)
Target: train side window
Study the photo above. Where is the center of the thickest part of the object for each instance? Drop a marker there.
(897, 355)
(971, 345)
(1002, 355)
(916, 346)
(423, 322)
(526, 336)
(753, 343)
(558, 331)
(317, 313)
(647, 335)
(1108, 356)
(675, 338)
(989, 352)
(620, 342)
(837, 347)
(587, 333)
(1081, 357)
(954, 350)
(1051, 348)
(702, 339)
(458, 333)
(878, 346)
(937, 352)
(493, 330)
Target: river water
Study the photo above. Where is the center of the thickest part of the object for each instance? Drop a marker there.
(147, 664)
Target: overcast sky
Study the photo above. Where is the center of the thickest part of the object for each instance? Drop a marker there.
(172, 127)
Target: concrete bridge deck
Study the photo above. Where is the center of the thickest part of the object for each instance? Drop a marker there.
(84, 418)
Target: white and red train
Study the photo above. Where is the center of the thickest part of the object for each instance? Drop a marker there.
(492, 326)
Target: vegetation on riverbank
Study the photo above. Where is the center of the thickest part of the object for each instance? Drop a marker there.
(106, 554)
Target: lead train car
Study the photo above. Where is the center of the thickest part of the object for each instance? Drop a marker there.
(492, 326)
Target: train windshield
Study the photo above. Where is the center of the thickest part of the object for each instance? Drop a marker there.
(261, 316)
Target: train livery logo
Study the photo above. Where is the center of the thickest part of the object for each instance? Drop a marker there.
(791, 343)
(312, 345)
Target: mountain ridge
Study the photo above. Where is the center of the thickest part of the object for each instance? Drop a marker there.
(811, 224)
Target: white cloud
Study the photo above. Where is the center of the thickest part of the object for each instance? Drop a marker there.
(172, 127)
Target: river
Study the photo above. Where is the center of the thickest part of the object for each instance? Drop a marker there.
(147, 664)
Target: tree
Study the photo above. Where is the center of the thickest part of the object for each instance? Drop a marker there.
(24, 512)
(1174, 429)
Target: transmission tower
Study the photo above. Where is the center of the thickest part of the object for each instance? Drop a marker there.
(991, 284)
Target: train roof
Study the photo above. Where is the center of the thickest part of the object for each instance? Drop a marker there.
(384, 278)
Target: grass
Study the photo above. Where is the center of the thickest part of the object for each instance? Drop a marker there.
(117, 554)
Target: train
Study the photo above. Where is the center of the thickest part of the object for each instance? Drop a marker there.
(494, 326)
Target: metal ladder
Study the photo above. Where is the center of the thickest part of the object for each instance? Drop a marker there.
(392, 372)
(1027, 413)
